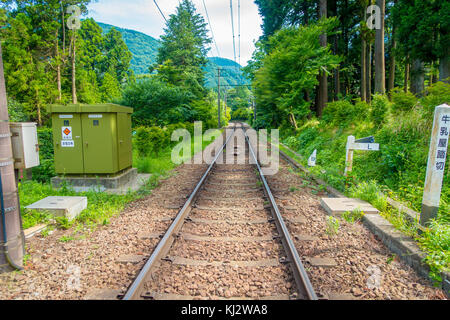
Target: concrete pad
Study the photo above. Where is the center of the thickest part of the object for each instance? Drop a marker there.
(338, 206)
(69, 207)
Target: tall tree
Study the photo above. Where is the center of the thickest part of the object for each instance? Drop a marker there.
(184, 46)
(322, 95)
(380, 66)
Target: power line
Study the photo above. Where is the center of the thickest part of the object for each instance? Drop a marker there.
(232, 28)
(239, 29)
(239, 36)
(160, 10)
(210, 27)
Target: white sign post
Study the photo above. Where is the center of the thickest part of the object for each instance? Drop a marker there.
(312, 159)
(436, 164)
(352, 145)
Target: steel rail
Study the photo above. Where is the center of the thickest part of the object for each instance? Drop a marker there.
(133, 292)
(304, 287)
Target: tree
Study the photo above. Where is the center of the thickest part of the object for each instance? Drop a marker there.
(322, 95)
(182, 55)
(296, 60)
(422, 32)
(380, 66)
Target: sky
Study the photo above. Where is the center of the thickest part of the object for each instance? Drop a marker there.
(143, 16)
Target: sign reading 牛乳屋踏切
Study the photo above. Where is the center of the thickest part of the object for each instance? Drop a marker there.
(436, 163)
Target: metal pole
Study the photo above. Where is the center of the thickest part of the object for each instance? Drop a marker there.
(218, 97)
(11, 240)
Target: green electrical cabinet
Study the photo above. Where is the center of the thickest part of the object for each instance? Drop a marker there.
(91, 139)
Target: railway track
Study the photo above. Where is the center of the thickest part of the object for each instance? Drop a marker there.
(228, 241)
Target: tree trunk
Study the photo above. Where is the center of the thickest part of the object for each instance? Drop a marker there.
(417, 77)
(406, 80)
(392, 66)
(63, 28)
(369, 74)
(292, 120)
(363, 63)
(58, 68)
(74, 82)
(380, 73)
(444, 69)
(323, 81)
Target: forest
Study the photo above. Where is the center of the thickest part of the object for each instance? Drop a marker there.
(324, 70)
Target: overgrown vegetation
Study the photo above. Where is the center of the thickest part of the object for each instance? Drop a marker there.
(403, 129)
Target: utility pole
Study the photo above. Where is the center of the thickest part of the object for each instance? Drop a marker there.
(218, 97)
(11, 233)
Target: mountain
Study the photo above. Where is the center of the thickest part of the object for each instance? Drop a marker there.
(145, 49)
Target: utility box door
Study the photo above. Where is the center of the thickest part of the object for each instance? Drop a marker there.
(124, 137)
(68, 143)
(24, 145)
(99, 143)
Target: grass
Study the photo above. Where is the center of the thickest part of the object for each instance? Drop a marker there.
(434, 241)
(101, 206)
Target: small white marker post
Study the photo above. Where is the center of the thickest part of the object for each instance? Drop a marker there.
(436, 164)
(312, 159)
(352, 145)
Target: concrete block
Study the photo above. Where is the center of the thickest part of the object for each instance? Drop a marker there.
(69, 207)
(338, 206)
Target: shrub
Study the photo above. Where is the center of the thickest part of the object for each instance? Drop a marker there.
(17, 112)
(370, 192)
(338, 112)
(46, 170)
(142, 141)
(380, 106)
(401, 101)
(438, 93)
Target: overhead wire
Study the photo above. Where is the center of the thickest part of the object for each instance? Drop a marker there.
(210, 28)
(160, 10)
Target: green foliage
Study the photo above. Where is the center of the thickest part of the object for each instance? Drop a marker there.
(370, 192)
(343, 112)
(438, 94)
(143, 47)
(157, 103)
(402, 102)
(242, 114)
(332, 226)
(380, 107)
(436, 242)
(353, 216)
(182, 55)
(290, 70)
(17, 111)
(46, 170)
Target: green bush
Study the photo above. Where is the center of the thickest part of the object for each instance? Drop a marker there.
(46, 170)
(401, 101)
(438, 93)
(17, 111)
(380, 106)
(142, 141)
(338, 112)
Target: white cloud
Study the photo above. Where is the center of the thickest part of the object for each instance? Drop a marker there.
(143, 16)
